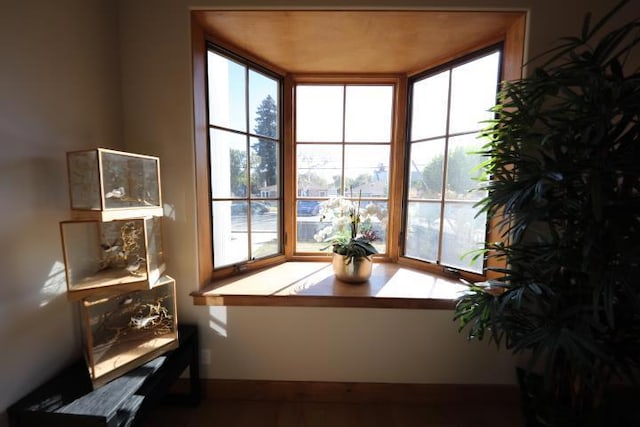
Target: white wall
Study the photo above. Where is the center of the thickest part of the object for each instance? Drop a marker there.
(59, 91)
(333, 344)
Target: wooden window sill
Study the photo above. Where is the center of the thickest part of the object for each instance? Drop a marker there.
(312, 284)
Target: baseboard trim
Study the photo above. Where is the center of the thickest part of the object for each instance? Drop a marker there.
(357, 392)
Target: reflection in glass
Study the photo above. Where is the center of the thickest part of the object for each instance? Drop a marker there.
(463, 233)
(306, 228)
(228, 164)
(264, 168)
(155, 252)
(264, 229)
(368, 113)
(263, 104)
(426, 163)
(227, 88)
(319, 172)
(308, 207)
(423, 228)
(473, 93)
(307, 225)
(121, 330)
(462, 168)
(366, 170)
(129, 181)
(319, 113)
(230, 232)
(429, 106)
(84, 180)
(377, 214)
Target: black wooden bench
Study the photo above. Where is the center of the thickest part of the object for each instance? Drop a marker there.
(68, 399)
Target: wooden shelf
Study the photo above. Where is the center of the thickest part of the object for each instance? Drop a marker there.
(314, 284)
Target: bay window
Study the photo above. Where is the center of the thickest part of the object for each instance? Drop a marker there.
(277, 151)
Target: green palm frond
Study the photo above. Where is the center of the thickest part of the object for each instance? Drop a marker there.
(563, 182)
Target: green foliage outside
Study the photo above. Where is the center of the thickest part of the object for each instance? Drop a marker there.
(460, 178)
(265, 157)
(264, 154)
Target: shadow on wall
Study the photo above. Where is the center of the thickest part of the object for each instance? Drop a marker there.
(36, 321)
(346, 344)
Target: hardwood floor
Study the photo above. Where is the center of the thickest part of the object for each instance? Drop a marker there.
(277, 413)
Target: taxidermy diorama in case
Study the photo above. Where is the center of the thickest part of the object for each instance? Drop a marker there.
(122, 331)
(108, 184)
(114, 261)
(120, 252)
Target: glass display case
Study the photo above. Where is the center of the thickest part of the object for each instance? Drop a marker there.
(125, 253)
(122, 331)
(107, 184)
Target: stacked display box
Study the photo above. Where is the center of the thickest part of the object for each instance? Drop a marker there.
(126, 253)
(124, 331)
(107, 184)
(114, 261)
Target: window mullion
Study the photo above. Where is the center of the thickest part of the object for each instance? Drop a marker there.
(445, 164)
(344, 146)
(248, 151)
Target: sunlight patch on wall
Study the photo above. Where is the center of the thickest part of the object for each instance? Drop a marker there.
(218, 320)
(55, 284)
(169, 211)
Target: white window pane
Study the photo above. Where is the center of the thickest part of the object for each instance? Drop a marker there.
(265, 240)
(463, 233)
(263, 105)
(366, 170)
(319, 113)
(368, 113)
(473, 92)
(426, 166)
(228, 164)
(423, 227)
(265, 181)
(319, 170)
(230, 233)
(307, 225)
(375, 217)
(429, 106)
(462, 168)
(227, 87)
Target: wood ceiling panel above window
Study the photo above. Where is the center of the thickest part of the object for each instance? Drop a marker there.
(369, 42)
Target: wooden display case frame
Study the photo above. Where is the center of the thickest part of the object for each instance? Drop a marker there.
(104, 213)
(115, 280)
(127, 355)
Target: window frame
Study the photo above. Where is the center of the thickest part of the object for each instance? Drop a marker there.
(249, 65)
(398, 84)
(436, 266)
(511, 69)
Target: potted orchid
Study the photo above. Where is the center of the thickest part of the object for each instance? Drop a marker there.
(350, 235)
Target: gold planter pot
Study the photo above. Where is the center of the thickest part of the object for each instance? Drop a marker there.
(358, 270)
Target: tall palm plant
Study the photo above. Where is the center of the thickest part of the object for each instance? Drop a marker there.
(563, 161)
